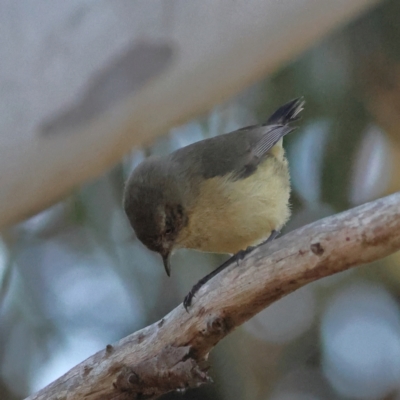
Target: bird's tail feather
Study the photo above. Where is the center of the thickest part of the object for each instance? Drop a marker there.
(287, 113)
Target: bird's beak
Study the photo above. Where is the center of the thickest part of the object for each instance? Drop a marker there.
(167, 264)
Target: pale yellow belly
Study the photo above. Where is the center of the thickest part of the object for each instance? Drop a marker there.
(231, 215)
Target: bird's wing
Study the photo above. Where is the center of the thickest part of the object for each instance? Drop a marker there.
(278, 125)
(239, 152)
(269, 139)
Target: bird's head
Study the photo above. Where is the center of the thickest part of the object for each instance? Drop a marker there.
(154, 208)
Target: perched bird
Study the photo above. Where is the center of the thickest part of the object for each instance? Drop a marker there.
(222, 194)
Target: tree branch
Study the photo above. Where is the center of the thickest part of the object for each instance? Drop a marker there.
(170, 354)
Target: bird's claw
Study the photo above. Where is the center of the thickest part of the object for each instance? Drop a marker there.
(187, 301)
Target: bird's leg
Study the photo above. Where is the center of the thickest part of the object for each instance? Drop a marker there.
(236, 257)
(189, 297)
(242, 253)
(274, 234)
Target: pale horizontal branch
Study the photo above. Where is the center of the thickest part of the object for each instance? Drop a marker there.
(169, 354)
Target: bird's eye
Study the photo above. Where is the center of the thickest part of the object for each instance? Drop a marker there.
(168, 231)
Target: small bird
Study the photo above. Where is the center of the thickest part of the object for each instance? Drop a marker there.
(221, 195)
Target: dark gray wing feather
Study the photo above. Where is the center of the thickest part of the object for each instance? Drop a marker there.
(238, 152)
(278, 127)
(270, 139)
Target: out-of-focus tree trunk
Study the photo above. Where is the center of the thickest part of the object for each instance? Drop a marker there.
(85, 83)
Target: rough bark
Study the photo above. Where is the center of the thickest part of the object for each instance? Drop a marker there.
(170, 354)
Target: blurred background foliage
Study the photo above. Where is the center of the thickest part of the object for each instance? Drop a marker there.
(74, 277)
